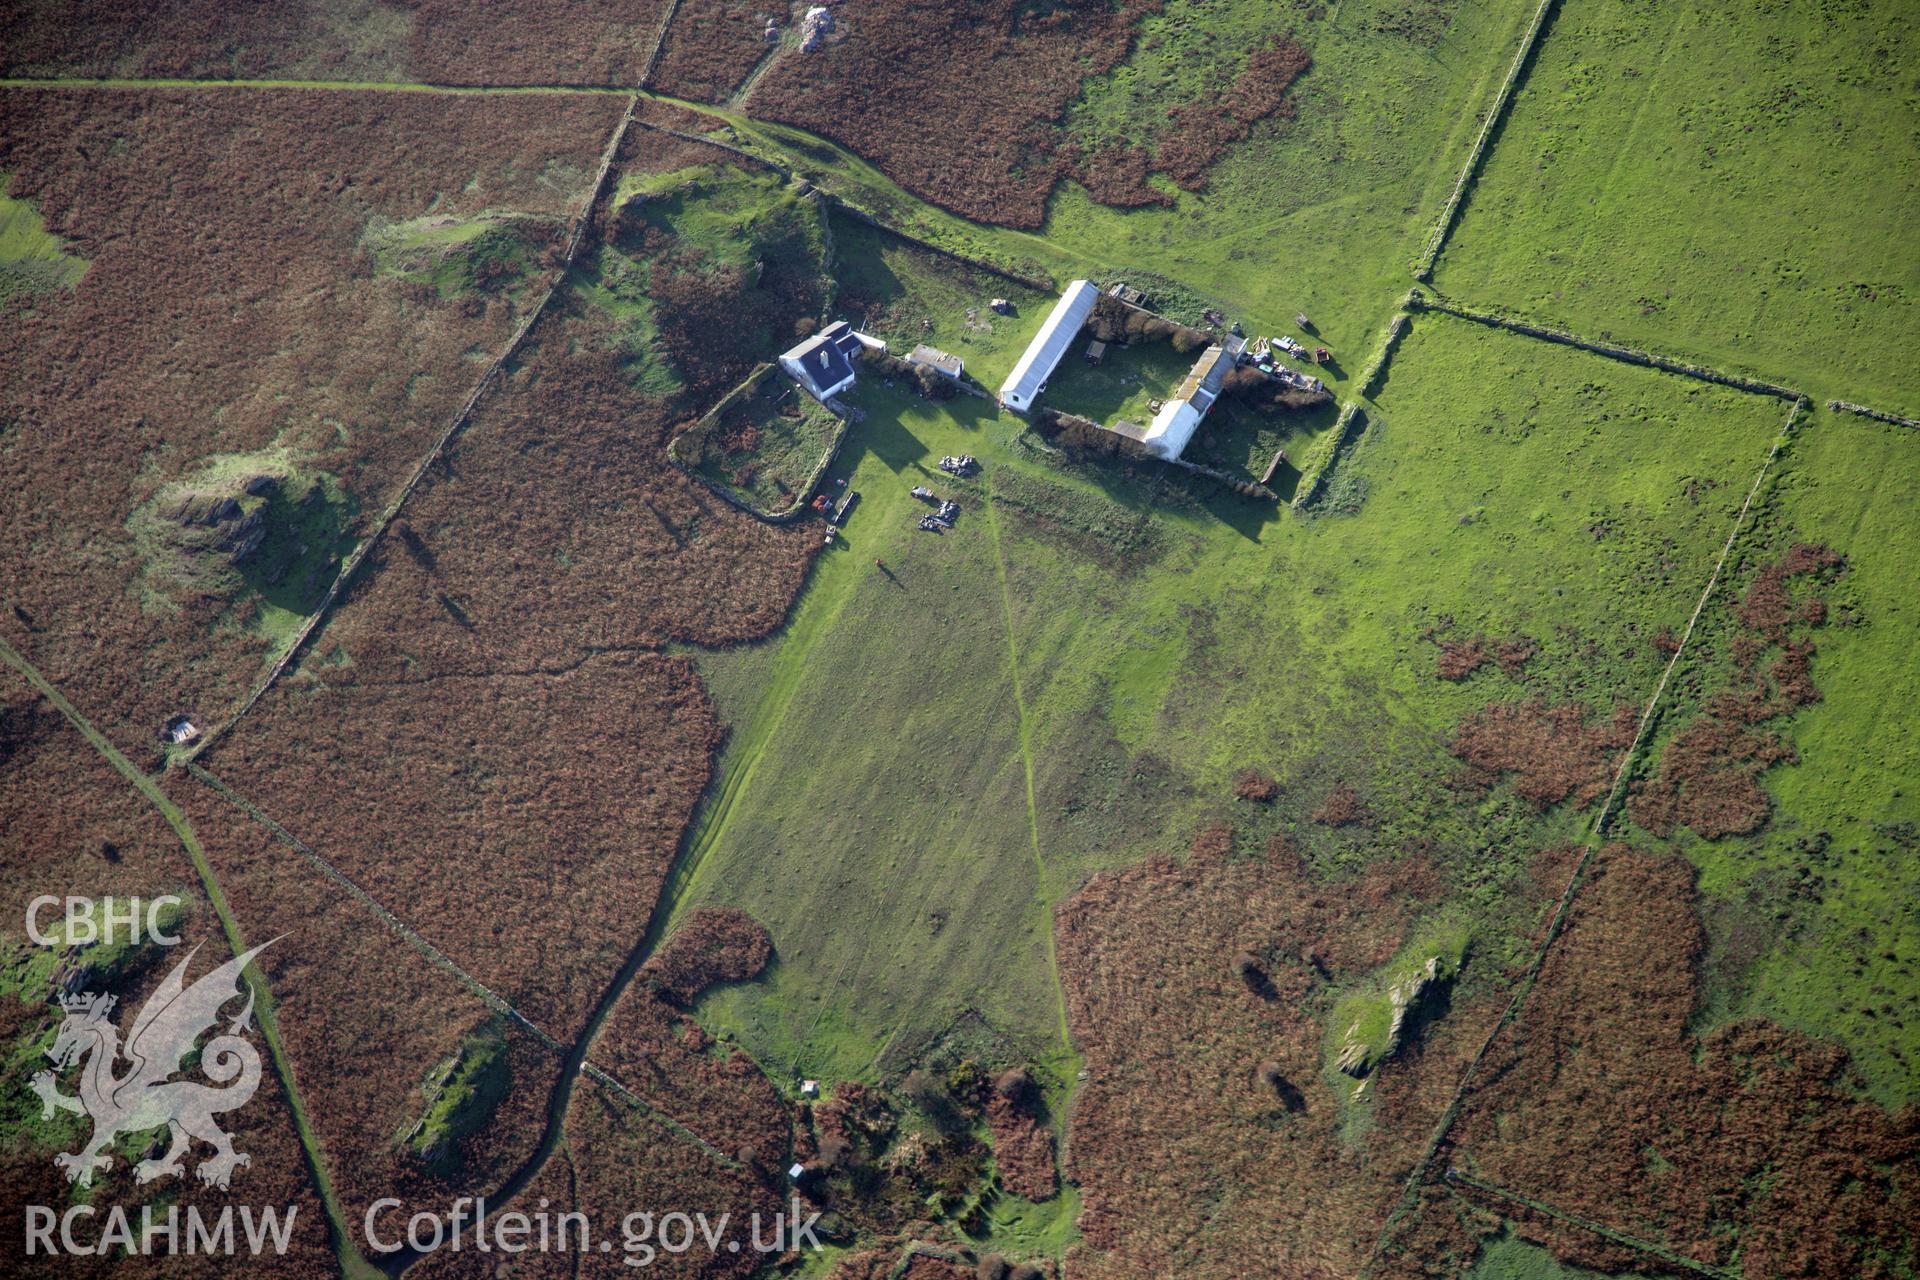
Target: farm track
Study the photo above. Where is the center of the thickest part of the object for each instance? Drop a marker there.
(352, 1262)
(1423, 1167)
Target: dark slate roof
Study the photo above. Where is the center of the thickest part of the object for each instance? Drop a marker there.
(828, 355)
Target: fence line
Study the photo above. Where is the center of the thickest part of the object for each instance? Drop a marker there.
(494, 1001)
(1670, 1256)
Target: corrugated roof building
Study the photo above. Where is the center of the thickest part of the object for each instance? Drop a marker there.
(937, 360)
(1029, 377)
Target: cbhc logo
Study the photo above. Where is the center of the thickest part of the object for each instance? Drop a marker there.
(87, 921)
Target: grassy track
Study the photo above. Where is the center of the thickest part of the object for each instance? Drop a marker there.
(1026, 761)
(352, 1262)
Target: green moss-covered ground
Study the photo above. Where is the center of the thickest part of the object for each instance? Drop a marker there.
(32, 259)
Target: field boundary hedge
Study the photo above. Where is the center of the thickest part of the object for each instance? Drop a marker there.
(1613, 351)
(1437, 238)
(1557, 922)
(1239, 484)
(355, 558)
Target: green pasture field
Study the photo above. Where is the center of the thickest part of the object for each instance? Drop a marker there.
(1735, 184)
(1319, 214)
(1835, 960)
(932, 755)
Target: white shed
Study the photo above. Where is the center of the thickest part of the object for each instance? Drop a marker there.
(1037, 363)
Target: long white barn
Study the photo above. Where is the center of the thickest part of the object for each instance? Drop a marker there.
(1029, 377)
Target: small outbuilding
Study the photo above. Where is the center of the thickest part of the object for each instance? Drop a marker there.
(796, 1171)
(1096, 351)
(179, 731)
(939, 361)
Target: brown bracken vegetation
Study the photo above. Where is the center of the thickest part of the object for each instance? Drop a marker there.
(1603, 1102)
(716, 944)
(1256, 786)
(368, 1020)
(1461, 658)
(547, 42)
(1198, 133)
(230, 309)
(69, 824)
(1552, 753)
(1708, 777)
(895, 88)
(1176, 1118)
(1022, 1142)
(1343, 808)
(711, 48)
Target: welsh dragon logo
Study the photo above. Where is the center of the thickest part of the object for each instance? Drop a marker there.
(164, 1032)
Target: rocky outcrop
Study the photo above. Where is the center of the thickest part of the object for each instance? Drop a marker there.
(1357, 1057)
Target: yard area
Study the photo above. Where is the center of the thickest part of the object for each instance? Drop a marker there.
(1240, 438)
(1122, 386)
